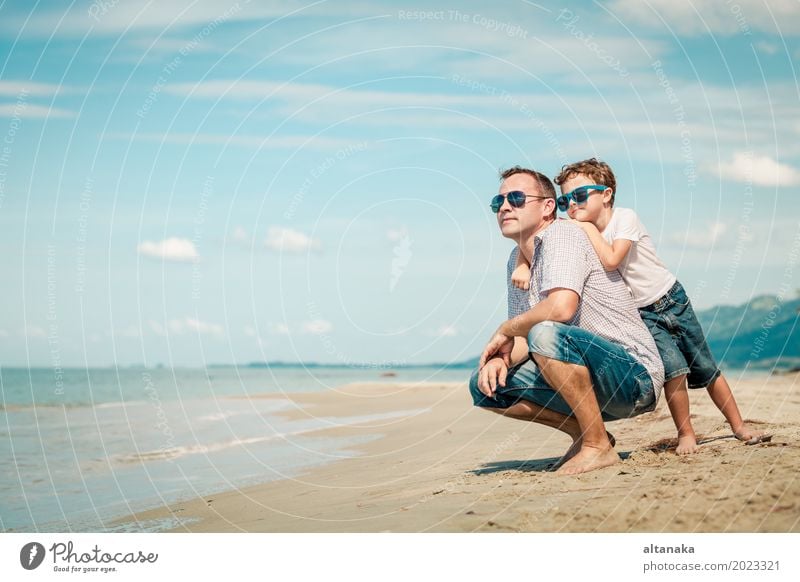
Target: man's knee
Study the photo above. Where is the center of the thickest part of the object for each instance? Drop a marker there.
(544, 338)
(474, 391)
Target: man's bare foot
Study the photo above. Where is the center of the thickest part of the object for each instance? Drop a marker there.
(687, 444)
(589, 459)
(576, 446)
(750, 436)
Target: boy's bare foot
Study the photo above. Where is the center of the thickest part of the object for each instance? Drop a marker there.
(576, 446)
(750, 436)
(589, 459)
(687, 444)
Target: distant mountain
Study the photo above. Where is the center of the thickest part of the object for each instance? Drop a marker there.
(763, 333)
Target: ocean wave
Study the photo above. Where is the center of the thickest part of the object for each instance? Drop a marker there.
(120, 404)
(169, 453)
(68, 405)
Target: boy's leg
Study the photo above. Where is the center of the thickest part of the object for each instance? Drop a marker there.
(720, 393)
(678, 401)
(661, 327)
(703, 369)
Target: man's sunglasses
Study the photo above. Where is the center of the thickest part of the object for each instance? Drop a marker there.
(516, 198)
(580, 195)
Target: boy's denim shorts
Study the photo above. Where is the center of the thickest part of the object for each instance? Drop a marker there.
(621, 383)
(679, 338)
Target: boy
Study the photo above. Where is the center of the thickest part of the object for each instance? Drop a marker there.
(622, 243)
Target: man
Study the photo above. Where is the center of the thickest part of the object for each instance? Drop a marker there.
(574, 351)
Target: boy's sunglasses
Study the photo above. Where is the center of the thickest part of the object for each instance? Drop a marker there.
(516, 199)
(580, 195)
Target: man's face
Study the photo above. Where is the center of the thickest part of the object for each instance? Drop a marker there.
(589, 211)
(517, 223)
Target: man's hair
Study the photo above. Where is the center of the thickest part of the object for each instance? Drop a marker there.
(598, 171)
(543, 182)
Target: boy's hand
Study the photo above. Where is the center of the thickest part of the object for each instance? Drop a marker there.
(586, 226)
(521, 277)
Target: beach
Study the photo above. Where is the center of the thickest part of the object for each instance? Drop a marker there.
(442, 465)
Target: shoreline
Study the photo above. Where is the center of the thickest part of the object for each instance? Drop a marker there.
(455, 468)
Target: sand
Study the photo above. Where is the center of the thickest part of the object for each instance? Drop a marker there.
(450, 467)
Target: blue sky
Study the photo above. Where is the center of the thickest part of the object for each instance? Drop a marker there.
(211, 182)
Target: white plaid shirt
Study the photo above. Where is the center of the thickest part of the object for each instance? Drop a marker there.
(564, 257)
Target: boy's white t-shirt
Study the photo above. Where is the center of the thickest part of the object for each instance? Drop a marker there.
(644, 273)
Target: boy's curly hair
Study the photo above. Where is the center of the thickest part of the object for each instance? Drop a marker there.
(598, 171)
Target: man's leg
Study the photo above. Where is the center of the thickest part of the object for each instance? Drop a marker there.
(574, 384)
(527, 410)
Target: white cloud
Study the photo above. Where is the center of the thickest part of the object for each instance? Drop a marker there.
(34, 331)
(396, 234)
(191, 325)
(279, 328)
(204, 328)
(702, 238)
(250, 331)
(312, 327)
(116, 18)
(316, 326)
(132, 331)
(171, 249)
(240, 235)
(758, 170)
(23, 89)
(693, 17)
(283, 239)
(24, 110)
(3, 333)
(765, 47)
(157, 328)
(292, 142)
(444, 331)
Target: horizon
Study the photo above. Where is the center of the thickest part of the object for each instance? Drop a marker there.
(352, 365)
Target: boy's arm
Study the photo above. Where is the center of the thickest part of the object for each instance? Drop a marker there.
(610, 255)
(521, 276)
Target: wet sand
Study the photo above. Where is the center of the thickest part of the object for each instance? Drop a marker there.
(453, 468)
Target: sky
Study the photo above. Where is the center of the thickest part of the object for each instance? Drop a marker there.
(210, 182)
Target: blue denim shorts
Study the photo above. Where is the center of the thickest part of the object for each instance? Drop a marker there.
(680, 339)
(621, 383)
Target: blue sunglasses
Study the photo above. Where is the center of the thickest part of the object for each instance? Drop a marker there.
(516, 199)
(580, 195)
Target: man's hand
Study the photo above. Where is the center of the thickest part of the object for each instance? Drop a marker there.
(491, 375)
(499, 346)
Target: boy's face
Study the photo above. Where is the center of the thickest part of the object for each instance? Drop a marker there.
(589, 211)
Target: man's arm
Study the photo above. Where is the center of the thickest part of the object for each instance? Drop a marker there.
(559, 305)
(610, 255)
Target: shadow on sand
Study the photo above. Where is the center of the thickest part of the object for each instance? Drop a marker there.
(526, 466)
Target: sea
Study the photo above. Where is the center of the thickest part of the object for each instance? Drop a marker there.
(81, 448)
